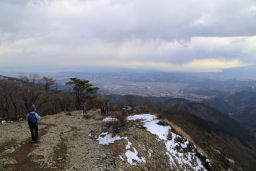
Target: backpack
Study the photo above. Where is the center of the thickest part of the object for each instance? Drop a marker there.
(32, 118)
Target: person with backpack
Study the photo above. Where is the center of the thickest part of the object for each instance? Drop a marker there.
(84, 109)
(33, 118)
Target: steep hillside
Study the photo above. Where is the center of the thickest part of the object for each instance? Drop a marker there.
(240, 106)
(216, 133)
(69, 142)
(216, 120)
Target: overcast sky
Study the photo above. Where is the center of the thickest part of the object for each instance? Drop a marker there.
(167, 35)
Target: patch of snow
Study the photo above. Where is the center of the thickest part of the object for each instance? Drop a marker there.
(180, 157)
(143, 117)
(143, 147)
(121, 157)
(176, 157)
(128, 146)
(150, 152)
(133, 155)
(106, 139)
(159, 130)
(185, 144)
(3, 122)
(109, 119)
(230, 160)
(89, 135)
(172, 162)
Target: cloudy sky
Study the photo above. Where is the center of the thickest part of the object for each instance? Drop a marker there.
(167, 35)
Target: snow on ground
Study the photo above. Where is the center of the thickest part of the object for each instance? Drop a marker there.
(109, 119)
(175, 156)
(131, 153)
(106, 139)
(150, 152)
(159, 130)
(3, 122)
(143, 117)
(230, 160)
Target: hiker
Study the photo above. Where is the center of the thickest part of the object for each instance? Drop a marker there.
(34, 107)
(102, 109)
(84, 109)
(33, 118)
(107, 109)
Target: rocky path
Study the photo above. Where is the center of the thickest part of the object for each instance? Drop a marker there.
(66, 142)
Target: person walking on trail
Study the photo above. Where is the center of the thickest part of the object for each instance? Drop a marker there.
(101, 109)
(34, 107)
(84, 109)
(33, 118)
(105, 109)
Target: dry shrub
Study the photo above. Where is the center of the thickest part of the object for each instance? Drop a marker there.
(117, 126)
(68, 113)
(159, 116)
(163, 123)
(179, 139)
(118, 147)
(169, 135)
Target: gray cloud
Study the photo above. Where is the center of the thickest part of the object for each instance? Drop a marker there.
(176, 32)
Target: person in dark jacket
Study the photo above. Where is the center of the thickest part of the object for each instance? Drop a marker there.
(84, 109)
(107, 108)
(102, 109)
(33, 118)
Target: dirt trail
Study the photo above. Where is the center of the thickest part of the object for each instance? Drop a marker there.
(20, 154)
(63, 144)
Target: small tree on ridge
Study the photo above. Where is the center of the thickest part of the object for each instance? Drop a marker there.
(82, 89)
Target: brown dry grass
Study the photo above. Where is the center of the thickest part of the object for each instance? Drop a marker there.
(118, 147)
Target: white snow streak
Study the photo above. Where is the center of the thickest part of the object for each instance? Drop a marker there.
(109, 119)
(106, 139)
(133, 155)
(143, 117)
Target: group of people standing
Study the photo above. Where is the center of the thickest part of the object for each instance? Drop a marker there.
(104, 109)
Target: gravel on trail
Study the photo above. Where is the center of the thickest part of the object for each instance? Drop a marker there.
(63, 144)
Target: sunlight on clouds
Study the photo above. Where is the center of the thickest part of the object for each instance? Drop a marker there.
(204, 65)
(213, 64)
